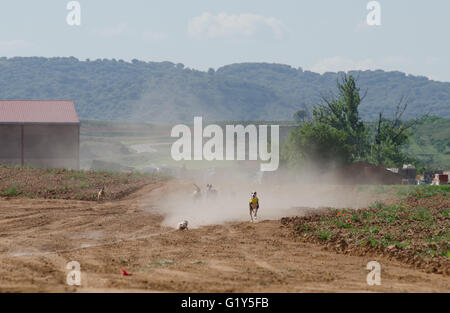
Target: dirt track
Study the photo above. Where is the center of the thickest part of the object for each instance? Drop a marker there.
(120, 235)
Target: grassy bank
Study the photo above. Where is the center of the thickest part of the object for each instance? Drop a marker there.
(414, 230)
(31, 182)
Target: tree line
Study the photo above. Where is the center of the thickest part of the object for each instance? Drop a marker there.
(168, 92)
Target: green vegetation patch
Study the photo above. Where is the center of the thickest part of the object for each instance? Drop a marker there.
(415, 229)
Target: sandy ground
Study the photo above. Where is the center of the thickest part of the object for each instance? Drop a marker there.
(39, 237)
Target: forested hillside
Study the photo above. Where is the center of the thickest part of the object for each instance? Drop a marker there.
(430, 142)
(168, 92)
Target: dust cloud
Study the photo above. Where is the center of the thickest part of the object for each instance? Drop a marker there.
(280, 195)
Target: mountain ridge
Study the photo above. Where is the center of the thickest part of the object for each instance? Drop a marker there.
(109, 89)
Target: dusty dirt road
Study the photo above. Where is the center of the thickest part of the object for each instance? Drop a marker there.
(39, 237)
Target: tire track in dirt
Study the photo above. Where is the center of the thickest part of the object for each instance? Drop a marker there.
(53, 217)
(262, 264)
(86, 246)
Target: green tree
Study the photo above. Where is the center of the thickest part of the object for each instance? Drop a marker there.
(337, 135)
(387, 153)
(300, 116)
(390, 137)
(316, 143)
(342, 113)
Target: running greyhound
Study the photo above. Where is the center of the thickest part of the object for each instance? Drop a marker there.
(253, 206)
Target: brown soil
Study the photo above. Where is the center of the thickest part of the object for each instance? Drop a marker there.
(68, 184)
(234, 257)
(414, 231)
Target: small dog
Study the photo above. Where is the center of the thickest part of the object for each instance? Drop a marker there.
(197, 193)
(182, 225)
(210, 192)
(253, 206)
(101, 194)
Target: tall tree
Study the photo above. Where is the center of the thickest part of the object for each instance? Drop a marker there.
(335, 134)
(341, 112)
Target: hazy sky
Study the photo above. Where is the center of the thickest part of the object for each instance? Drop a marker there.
(318, 35)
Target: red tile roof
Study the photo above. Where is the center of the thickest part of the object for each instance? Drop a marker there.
(38, 111)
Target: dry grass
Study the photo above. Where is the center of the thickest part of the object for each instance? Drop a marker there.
(69, 184)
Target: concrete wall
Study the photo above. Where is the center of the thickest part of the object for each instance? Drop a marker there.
(53, 146)
(10, 144)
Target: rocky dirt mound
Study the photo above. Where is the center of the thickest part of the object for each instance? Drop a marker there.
(415, 231)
